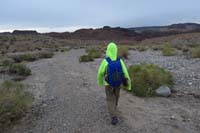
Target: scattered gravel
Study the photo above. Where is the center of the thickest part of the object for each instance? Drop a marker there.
(68, 99)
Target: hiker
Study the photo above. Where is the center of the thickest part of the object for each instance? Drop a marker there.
(112, 74)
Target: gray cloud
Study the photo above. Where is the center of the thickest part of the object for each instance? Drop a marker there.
(52, 14)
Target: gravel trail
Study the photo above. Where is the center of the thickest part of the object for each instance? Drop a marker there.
(68, 100)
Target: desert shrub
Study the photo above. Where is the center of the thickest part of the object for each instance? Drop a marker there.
(14, 102)
(6, 61)
(185, 49)
(194, 45)
(178, 46)
(86, 58)
(64, 49)
(38, 48)
(23, 57)
(45, 54)
(19, 69)
(168, 51)
(27, 57)
(31, 56)
(95, 52)
(142, 48)
(147, 78)
(195, 52)
(123, 52)
(156, 48)
(132, 47)
(3, 52)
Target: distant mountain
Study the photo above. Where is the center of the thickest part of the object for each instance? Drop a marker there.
(105, 33)
(138, 33)
(157, 31)
(118, 33)
(182, 27)
(25, 32)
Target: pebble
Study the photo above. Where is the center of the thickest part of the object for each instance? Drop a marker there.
(52, 98)
(186, 120)
(190, 83)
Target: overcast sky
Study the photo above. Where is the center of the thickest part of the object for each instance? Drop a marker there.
(69, 15)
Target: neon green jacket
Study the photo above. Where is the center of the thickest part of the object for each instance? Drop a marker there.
(112, 53)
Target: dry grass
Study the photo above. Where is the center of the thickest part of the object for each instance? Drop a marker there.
(195, 52)
(123, 52)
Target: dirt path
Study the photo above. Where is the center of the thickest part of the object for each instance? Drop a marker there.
(69, 101)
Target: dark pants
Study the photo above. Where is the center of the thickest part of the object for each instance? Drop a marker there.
(112, 97)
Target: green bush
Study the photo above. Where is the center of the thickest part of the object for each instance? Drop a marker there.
(168, 51)
(27, 57)
(123, 52)
(19, 69)
(95, 54)
(92, 53)
(86, 58)
(14, 102)
(195, 52)
(147, 78)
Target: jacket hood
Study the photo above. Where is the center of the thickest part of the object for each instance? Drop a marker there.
(111, 51)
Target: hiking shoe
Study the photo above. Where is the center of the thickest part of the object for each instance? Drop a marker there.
(114, 120)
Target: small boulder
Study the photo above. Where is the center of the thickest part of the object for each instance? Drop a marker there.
(163, 91)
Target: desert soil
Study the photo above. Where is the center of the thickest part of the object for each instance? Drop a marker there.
(68, 99)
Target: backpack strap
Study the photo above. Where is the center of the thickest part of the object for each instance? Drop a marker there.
(118, 59)
(109, 60)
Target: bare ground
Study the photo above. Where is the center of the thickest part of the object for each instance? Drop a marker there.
(68, 100)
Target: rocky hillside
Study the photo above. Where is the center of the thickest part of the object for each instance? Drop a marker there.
(105, 33)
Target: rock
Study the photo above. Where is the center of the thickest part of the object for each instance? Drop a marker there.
(186, 120)
(163, 91)
(52, 98)
(172, 117)
(18, 78)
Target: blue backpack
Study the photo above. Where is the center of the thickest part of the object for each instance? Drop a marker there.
(115, 74)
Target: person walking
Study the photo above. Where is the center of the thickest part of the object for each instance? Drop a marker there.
(112, 73)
